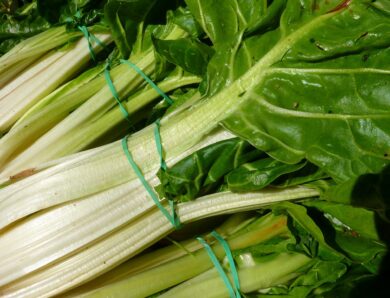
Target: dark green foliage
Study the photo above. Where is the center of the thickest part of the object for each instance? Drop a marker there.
(204, 170)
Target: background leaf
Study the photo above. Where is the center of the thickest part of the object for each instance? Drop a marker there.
(124, 17)
(187, 53)
(257, 175)
(203, 171)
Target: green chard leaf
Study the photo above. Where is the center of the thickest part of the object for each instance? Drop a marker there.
(123, 18)
(309, 237)
(17, 27)
(316, 87)
(368, 190)
(203, 171)
(127, 17)
(19, 20)
(188, 53)
(355, 232)
(319, 274)
(183, 18)
(257, 175)
(359, 220)
(226, 24)
(83, 12)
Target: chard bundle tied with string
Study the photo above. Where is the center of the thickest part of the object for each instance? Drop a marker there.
(303, 84)
(85, 112)
(38, 65)
(281, 251)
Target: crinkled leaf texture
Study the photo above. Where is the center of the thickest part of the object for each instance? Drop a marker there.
(124, 17)
(316, 86)
(188, 53)
(204, 170)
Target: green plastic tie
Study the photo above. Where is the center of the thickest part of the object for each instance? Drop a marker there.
(173, 219)
(157, 138)
(233, 268)
(218, 266)
(87, 35)
(147, 79)
(91, 37)
(98, 41)
(115, 93)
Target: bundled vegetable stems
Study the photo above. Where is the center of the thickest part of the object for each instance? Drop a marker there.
(140, 232)
(95, 112)
(47, 69)
(193, 263)
(267, 251)
(281, 113)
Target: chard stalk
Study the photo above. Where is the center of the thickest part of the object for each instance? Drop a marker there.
(66, 89)
(86, 135)
(188, 266)
(261, 276)
(29, 74)
(48, 112)
(125, 80)
(82, 216)
(42, 190)
(125, 242)
(161, 256)
(37, 45)
(179, 133)
(60, 67)
(39, 118)
(12, 71)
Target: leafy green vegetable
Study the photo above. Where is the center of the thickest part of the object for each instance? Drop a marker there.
(368, 190)
(350, 217)
(184, 18)
(355, 232)
(124, 17)
(203, 171)
(97, 101)
(18, 20)
(232, 165)
(190, 54)
(321, 273)
(310, 238)
(308, 89)
(84, 12)
(303, 84)
(257, 175)
(308, 174)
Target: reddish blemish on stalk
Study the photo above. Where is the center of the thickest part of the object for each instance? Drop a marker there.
(274, 229)
(341, 6)
(22, 174)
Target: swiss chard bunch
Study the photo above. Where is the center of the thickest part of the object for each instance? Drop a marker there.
(292, 250)
(303, 85)
(237, 166)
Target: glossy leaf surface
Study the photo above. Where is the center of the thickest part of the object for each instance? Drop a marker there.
(315, 87)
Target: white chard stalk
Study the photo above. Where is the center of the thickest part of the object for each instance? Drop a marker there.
(59, 140)
(39, 80)
(90, 213)
(120, 244)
